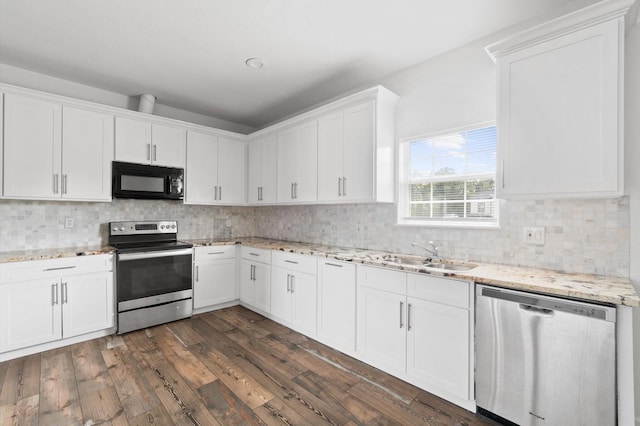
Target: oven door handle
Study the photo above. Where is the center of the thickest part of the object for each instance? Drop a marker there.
(151, 254)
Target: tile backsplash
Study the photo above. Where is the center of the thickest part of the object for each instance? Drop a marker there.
(27, 225)
(589, 236)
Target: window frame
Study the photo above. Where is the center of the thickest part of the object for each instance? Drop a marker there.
(404, 182)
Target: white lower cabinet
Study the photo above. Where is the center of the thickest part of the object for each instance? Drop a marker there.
(255, 278)
(48, 300)
(419, 328)
(337, 304)
(214, 280)
(293, 291)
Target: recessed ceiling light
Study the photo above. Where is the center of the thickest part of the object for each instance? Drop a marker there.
(255, 63)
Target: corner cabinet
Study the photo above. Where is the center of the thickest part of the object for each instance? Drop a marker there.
(214, 276)
(263, 155)
(48, 300)
(560, 106)
(56, 152)
(215, 172)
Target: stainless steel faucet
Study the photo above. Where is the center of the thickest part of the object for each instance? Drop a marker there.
(433, 250)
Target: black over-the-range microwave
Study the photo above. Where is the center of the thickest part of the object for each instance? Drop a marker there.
(143, 181)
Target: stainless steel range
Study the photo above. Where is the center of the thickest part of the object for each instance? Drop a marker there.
(154, 273)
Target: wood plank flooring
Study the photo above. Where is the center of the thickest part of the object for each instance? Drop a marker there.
(228, 367)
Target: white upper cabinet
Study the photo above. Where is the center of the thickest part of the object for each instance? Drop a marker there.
(560, 97)
(263, 155)
(87, 141)
(355, 152)
(297, 164)
(56, 152)
(139, 141)
(215, 172)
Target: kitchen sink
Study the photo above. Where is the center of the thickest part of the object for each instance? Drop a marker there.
(427, 263)
(450, 266)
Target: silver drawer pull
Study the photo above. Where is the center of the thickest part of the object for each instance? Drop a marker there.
(216, 252)
(59, 268)
(291, 261)
(333, 264)
(254, 254)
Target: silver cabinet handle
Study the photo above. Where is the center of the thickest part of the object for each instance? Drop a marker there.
(149, 151)
(54, 294)
(295, 190)
(55, 183)
(333, 264)
(409, 317)
(288, 283)
(259, 194)
(253, 272)
(216, 252)
(59, 268)
(291, 261)
(293, 283)
(155, 152)
(65, 293)
(292, 197)
(344, 186)
(502, 173)
(215, 192)
(401, 316)
(250, 272)
(339, 186)
(220, 193)
(254, 254)
(64, 184)
(197, 273)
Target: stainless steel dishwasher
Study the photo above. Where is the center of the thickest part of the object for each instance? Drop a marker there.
(544, 360)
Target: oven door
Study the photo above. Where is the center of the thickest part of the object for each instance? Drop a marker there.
(155, 277)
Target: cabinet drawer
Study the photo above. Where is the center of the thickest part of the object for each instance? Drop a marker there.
(382, 279)
(441, 290)
(37, 269)
(294, 262)
(256, 254)
(214, 252)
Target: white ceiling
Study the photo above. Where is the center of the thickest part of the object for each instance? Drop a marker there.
(191, 53)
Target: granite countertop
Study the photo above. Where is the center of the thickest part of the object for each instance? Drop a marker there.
(613, 290)
(40, 254)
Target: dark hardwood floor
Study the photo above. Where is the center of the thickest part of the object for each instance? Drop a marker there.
(229, 367)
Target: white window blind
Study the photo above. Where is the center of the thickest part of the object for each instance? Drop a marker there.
(450, 178)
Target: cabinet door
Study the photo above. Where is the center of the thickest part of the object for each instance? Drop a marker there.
(382, 329)
(337, 304)
(87, 140)
(358, 152)
(202, 168)
(214, 282)
(298, 163)
(29, 313)
(32, 148)
(558, 111)
(232, 183)
(330, 157)
(262, 287)
(87, 303)
(304, 302)
(281, 293)
(438, 346)
(168, 146)
(247, 285)
(133, 140)
(263, 155)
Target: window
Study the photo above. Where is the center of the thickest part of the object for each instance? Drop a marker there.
(449, 179)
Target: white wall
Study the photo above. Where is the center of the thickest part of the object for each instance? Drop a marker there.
(632, 180)
(32, 80)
